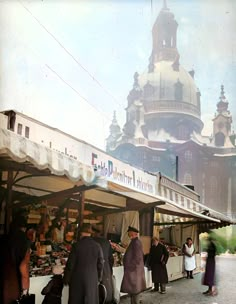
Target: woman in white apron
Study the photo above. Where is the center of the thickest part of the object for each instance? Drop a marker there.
(189, 258)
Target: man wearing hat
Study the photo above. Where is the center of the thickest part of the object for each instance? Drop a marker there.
(84, 269)
(133, 281)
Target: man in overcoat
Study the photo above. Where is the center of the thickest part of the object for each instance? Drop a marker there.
(84, 269)
(158, 258)
(108, 262)
(133, 281)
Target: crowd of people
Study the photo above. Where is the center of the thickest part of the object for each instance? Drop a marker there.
(89, 269)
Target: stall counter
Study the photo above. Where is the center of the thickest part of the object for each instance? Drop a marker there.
(174, 268)
(38, 283)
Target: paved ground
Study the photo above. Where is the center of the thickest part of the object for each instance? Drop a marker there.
(185, 291)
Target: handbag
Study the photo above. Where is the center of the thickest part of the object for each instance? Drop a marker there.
(102, 292)
(26, 299)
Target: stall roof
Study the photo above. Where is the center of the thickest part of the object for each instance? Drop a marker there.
(42, 174)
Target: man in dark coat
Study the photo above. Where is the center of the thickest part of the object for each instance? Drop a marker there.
(14, 262)
(108, 262)
(158, 258)
(133, 281)
(84, 269)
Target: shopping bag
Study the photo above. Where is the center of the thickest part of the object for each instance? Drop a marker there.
(115, 291)
(26, 299)
(102, 292)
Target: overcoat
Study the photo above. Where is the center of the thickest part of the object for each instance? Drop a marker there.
(158, 258)
(14, 250)
(108, 264)
(209, 276)
(83, 272)
(134, 278)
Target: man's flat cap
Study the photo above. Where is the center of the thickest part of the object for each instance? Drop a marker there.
(132, 229)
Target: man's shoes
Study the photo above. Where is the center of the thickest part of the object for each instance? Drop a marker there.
(206, 292)
(154, 290)
(163, 292)
(191, 277)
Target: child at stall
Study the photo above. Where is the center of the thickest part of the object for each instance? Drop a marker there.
(53, 290)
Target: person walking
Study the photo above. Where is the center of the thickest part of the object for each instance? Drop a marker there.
(158, 258)
(14, 262)
(133, 281)
(108, 263)
(189, 257)
(209, 276)
(84, 269)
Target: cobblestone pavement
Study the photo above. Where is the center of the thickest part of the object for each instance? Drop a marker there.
(185, 291)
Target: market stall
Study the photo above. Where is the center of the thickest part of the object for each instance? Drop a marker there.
(83, 184)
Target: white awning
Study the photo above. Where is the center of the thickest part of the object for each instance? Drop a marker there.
(59, 173)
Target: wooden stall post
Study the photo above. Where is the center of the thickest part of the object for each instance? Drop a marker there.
(8, 208)
(81, 211)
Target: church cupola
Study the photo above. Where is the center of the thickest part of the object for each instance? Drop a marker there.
(136, 92)
(222, 122)
(222, 105)
(164, 38)
(115, 134)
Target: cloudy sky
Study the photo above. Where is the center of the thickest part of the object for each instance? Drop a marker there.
(70, 63)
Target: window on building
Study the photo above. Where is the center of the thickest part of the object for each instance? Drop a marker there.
(27, 132)
(11, 120)
(182, 132)
(188, 155)
(178, 91)
(213, 184)
(50, 145)
(137, 115)
(214, 164)
(162, 92)
(220, 139)
(19, 128)
(148, 90)
(156, 158)
(188, 179)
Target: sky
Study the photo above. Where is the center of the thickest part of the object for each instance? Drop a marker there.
(70, 64)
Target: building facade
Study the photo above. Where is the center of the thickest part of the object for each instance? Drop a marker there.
(162, 132)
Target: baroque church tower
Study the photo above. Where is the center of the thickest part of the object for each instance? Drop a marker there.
(162, 132)
(164, 99)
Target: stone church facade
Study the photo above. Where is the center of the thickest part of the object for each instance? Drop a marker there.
(162, 132)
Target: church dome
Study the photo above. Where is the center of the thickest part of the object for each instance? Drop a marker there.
(167, 89)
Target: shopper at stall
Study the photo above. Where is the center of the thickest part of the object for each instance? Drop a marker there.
(84, 269)
(189, 257)
(158, 258)
(209, 276)
(53, 290)
(108, 262)
(58, 230)
(133, 281)
(14, 257)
